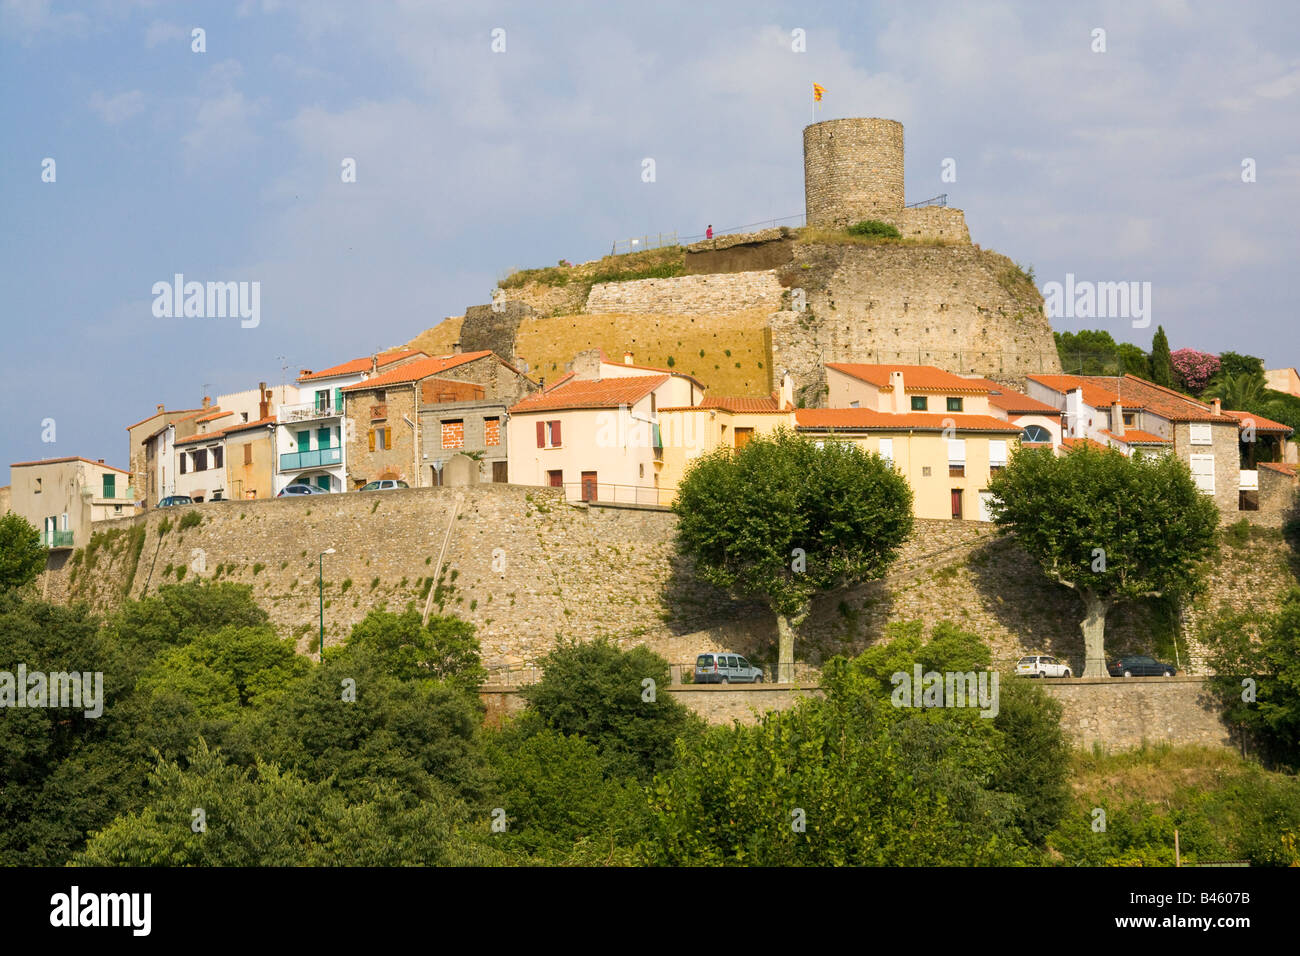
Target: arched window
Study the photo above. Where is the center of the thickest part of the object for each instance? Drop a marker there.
(1036, 434)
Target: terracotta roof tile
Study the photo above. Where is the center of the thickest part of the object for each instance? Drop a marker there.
(1009, 400)
(1102, 391)
(55, 461)
(1135, 436)
(591, 393)
(165, 411)
(730, 403)
(244, 426)
(918, 377)
(213, 415)
(1262, 424)
(414, 371)
(1069, 443)
(864, 418)
(358, 365)
(1279, 466)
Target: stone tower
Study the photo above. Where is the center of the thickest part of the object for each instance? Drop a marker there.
(853, 170)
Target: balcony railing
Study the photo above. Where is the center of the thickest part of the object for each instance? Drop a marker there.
(321, 458)
(306, 411)
(57, 539)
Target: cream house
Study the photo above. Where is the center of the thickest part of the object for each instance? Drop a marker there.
(64, 497)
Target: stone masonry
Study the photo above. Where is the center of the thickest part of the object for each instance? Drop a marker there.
(688, 294)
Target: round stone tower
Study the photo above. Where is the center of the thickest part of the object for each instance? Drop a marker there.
(852, 170)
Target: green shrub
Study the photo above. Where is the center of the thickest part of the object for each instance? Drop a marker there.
(191, 519)
(258, 568)
(874, 227)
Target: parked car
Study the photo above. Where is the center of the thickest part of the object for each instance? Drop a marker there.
(172, 501)
(726, 669)
(385, 485)
(1042, 665)
(300, 489)
(1140, 667)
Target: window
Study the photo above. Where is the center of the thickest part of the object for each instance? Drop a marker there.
(491, 432)
(555, 479)
(956, 458)
(997, 454)
(322, 438)
(954, 404)
(1036, 434)
(887, 449)
(381, 439)
(920, 403)
(201, 460)
(38, 487)
(548, 434)
(1128, 419)
(110, 483)
(218, 456)
(453, 433)
(742, 436)
(1203, 472)
(854, 404)
(323, 400)
(925, 471)
(243, 418)
(304, 441)
(248, 454)
(1201, 435)
(182, 457)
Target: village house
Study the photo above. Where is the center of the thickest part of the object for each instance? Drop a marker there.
(1224, 449)
(250, 459)
(201, 459)
(160, 465)
(1040, 423)
(144, 473)
(310, 437)
(429, 414)
(64, 497)
(596, 433)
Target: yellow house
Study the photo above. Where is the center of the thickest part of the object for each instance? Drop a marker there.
(902, 389)
(947, 459)
(250, 459)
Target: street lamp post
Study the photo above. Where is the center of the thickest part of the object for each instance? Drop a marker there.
(320, 583)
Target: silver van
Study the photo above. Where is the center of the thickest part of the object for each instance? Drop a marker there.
(726, 669)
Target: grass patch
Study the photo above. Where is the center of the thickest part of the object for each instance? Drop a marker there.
(191, 519)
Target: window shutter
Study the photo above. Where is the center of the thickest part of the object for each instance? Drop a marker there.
(957, 451)
(555, 434)
(997, 451)
(388, 438)
(887, 449)
(338, 401)
(372, 439)
(541, 434)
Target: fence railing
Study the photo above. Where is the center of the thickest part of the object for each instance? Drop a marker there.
(599, 492)
(639, 244)
(305, 411)
(939, 200)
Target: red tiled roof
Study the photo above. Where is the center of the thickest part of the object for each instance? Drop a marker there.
(206, 436)
(1279, 466)
(1009, 400)
(55, 461)
(605, 359)
(244, 426)
(213, 415)
(358, 365)
(752, 406)
(866, 418)
(1069, 443)
(414, 371)
(915, 377)
(1102, 391)
(591, 393)
(165, 411)
(1262, 424)
(1135, 436)
(559, 381)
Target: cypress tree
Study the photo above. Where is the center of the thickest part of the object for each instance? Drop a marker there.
(1162, 366)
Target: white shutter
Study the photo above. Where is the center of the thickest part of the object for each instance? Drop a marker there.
(956, 451)
(1203, 472)
(997, 452)
(887, 449)
(1201, 435)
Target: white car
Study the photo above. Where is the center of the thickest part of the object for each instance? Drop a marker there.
(1041, 665)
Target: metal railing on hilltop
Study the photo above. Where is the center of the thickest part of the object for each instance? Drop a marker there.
(939, 200)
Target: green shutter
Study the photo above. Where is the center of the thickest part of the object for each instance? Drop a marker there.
(322, 438)
(110, 482)
(323, 482)
(304, 441)
(338, 401)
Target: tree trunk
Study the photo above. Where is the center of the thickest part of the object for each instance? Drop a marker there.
(785, 626)
(1094, 634)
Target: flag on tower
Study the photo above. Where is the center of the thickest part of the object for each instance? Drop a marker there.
(818, 90)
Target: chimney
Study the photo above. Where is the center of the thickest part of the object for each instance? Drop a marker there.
(1117, 419)
(207, 402)
(264, 401)
(455, 348)
(161, 409)
(374, 363)
(896, 381)
(787, 391)
(627, 358)
(1216, 405)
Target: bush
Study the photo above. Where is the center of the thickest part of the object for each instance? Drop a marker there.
(874, 227)
(192, 519)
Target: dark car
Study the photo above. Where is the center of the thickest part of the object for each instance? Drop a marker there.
(172, 500)
(298, 489)
(1140, 666)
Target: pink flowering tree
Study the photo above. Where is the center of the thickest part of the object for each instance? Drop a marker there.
(1194, 369)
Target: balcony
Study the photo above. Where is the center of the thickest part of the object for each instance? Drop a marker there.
(305, 412)
(321, 458)
(56, 539)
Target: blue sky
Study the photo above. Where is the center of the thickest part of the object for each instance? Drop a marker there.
(225, 165)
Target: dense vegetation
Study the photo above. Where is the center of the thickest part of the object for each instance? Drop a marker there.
(220, 746)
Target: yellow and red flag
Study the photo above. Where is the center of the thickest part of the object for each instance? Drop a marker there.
(818, 90)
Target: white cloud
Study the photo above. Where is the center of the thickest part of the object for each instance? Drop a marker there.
(117, 108)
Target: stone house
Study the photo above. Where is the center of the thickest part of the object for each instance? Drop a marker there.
(1222, 448)
(64, 497)
(144, 475)
(160, 465)
(311, 433)
(411, 421)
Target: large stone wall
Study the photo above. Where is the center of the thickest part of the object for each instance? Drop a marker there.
(1117, 714)
(955, 306)
(853, 170)
(745, 252)
(708, 294)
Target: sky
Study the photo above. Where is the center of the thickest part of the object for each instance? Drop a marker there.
(227, 165)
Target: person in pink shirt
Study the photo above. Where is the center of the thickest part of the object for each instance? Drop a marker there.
(708, 233)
